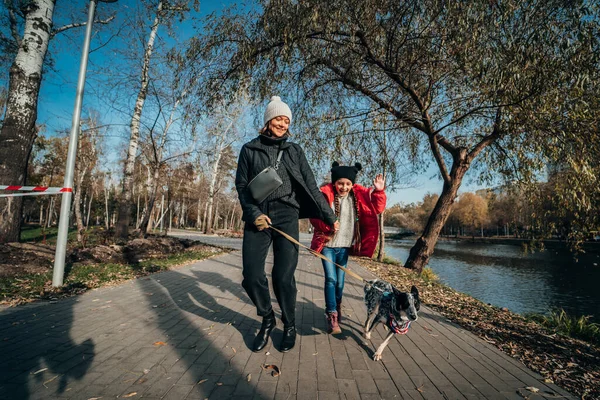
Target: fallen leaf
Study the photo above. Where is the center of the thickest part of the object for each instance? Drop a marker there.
(532, 389)
(248, 377)
(268, 353)
(50, 380)
(130, 394)
(273, 368)
(38, 371)
(202, 381)
(159, 343)
(219, 383)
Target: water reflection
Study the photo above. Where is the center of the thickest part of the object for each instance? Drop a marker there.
(504, 276)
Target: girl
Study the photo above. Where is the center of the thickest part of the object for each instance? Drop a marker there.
(297, 197)
(356, 208)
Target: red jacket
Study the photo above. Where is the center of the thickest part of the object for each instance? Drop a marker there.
(370, 204)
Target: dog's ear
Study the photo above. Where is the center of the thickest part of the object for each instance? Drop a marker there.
(401, 299)
(415, 292)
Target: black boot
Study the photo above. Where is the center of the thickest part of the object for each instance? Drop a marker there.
(289, 338)
(262, 338)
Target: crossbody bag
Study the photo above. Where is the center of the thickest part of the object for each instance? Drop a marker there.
(266, 182)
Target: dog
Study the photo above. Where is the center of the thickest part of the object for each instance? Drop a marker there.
(387, 304)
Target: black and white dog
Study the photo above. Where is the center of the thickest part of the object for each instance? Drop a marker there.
(387, 304)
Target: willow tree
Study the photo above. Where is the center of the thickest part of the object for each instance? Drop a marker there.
(466, 84)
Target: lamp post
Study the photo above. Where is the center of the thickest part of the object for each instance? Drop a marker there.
(65, 207)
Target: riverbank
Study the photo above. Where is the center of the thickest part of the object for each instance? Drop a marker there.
(570, 363)
(590, 247)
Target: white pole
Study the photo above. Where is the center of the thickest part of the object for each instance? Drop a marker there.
(65, 207)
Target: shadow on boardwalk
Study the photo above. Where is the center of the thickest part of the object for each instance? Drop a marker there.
(38, 351)
(186, 333)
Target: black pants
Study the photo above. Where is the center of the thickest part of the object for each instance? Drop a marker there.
(285, 259)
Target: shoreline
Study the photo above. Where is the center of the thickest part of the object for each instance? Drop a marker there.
(591, 247)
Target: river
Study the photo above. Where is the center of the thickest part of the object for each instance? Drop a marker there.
(502, 275)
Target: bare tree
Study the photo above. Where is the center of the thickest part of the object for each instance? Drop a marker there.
(166, 11)
(18, 130)
(87, 157)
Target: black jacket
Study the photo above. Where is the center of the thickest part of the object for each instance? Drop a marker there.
(254, 159)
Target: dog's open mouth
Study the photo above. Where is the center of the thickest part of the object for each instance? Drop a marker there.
(399, 327)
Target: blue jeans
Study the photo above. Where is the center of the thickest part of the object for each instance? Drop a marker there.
(334, 277)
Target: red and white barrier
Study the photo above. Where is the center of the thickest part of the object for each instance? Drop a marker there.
(35, 190)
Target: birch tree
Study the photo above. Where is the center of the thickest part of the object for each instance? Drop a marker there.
(222, 132)
(31, 29)
(166, 12)
(87, 158)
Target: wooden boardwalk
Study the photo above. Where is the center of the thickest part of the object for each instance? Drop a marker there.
(185, 334)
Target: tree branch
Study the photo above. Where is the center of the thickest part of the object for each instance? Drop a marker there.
(489, 139)
(433, 143)
(77, 25)
(426, 120)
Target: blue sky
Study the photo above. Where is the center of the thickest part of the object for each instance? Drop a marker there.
(57, 95)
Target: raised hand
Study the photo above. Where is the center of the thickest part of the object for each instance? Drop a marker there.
(379, 182)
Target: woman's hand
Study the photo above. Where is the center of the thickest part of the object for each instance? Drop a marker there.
(262, 222)
(336, 226)
(379, 182)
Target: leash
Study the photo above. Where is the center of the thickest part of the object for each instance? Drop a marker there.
(311, 251)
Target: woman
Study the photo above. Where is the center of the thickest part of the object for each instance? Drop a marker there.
(297, 197)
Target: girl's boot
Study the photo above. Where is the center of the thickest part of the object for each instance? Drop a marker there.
(333, 327)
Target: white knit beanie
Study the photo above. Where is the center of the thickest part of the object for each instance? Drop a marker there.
(275, 108)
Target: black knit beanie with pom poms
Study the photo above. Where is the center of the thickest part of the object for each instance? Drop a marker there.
(341, 171)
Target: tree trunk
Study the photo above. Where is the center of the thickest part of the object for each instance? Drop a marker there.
(18, 128)
(77, 205)
(170, 217)
(208, 226)
(106, 216)
(199, 217)
(89, 210)
(204, 217)
(381, 252)
(153, 188)
(216, 217)
(122, 228)
(41, 214)
(50, 212)
(137, 213)
(423, 248)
